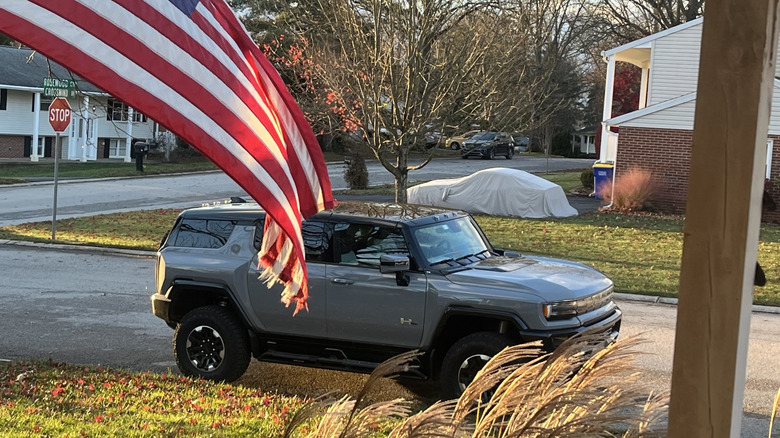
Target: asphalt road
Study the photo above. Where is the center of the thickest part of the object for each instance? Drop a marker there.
(90, 307)
(33, 202)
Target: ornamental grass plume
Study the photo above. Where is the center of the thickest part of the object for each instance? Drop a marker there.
(632, 192)
(520, 393)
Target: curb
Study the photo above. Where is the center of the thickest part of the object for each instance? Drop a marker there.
(621, 296)
(650, 299)
(80, 248)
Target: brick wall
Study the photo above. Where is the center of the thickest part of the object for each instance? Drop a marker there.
(13, 146)
(666, 154)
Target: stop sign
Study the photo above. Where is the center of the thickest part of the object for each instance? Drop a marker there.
(59, 114)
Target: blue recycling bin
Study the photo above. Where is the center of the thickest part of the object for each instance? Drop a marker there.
(602, 179)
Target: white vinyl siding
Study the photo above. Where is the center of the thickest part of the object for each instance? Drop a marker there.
(774, 118)
(676, 117)
(674, 69)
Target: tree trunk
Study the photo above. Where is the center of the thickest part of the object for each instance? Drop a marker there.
(402, 177)
(401, 182)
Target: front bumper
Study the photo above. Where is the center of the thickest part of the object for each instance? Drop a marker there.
(553, 339)
(161, 306)
(479, 153)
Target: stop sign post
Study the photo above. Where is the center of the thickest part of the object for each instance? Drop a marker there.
(59, 119)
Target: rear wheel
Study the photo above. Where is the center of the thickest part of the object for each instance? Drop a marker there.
(212, 344)
(454, 146)
(510, 153)
(466, 357)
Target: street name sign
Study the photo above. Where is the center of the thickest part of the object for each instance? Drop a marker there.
(55, 87)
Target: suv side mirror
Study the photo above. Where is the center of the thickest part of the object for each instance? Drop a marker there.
(389, 263)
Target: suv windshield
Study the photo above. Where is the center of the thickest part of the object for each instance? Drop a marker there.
(455, 242)
(486, 136)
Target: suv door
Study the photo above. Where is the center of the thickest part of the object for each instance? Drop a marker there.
(365, 305)
(266, 303)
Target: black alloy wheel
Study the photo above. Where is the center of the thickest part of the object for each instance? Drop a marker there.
(466, 357)
(212, 344)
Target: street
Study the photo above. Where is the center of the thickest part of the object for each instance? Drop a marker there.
(33, 202)
(88, 307)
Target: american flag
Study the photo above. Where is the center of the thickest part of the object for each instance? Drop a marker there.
(191, 66)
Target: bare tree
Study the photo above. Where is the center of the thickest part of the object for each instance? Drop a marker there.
(632, 19)
(396, 68)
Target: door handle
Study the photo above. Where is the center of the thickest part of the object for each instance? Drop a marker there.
(341, 281)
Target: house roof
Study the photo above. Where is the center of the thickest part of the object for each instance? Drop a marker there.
(644, 43)
(616, 121)
(22, 68)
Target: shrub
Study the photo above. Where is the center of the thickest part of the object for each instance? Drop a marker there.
(356, 173)
(632, 192)
(586, 177)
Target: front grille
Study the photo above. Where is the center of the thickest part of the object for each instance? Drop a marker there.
(594, 302)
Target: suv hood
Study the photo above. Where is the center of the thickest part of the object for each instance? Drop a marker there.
(549, 279)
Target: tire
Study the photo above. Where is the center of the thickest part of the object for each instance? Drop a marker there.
(510, 153)
(466, 357)
(211, 343)
(454, 146)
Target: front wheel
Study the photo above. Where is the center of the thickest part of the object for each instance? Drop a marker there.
(466, 357)
(211, 343)
(454, 146)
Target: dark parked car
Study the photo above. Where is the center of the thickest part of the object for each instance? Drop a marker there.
(384, 279)
(488, 145)
(521, 142)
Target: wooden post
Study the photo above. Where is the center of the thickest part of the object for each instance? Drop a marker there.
(733, 102)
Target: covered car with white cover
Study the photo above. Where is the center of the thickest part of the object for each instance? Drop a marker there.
(496, 191)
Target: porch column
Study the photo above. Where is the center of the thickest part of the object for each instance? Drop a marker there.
(129, 139)
(608, 89)
(643, 87)
(723, 215)
(36, 127)
(84, 131)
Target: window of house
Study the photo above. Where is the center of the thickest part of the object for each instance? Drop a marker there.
(116, 148)
(3, 99)
(45, 102)
(770, 145)
(118, 111)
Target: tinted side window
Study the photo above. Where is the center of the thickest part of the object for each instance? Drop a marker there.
(363, 244)
(201, 233)
(318, 240)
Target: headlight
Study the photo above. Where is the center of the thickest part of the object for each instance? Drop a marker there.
(570, 308)
(560, 309)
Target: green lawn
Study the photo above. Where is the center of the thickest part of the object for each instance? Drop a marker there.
(641, 252)
(45, 399)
